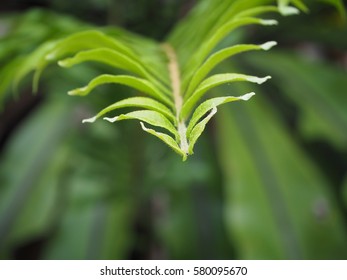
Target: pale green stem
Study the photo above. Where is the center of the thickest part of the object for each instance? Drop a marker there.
(176, 90)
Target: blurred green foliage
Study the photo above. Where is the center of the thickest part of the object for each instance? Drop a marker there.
(267, 181)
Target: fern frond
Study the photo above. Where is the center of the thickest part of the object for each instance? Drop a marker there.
(171, 77)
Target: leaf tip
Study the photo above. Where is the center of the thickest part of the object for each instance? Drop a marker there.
(213, 111)
(90, 120)
(288, 10)
(142, 126)
(268, 45)
(258, 80)
(63, 63)
(269, 22)
(77, 91)
(184, 157)
(50, 56)
(247, 96)
(112, 120)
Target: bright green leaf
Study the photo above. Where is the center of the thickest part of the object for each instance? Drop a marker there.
(143, 102)
(166, 139)
(115, 59)
(85, 40)
(219, 35)
(198, 129)
(148, 116)
(209, 104)
(214, 81)
(218, 57)
(141, 85)
(107, 56)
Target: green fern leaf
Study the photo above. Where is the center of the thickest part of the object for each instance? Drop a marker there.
(151, 117)
(131, 81)
(209, 104)
(142, 102)
(174, 75)
(220, 56)
(214, 81)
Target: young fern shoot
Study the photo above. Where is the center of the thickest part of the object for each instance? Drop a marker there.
(172, 77)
